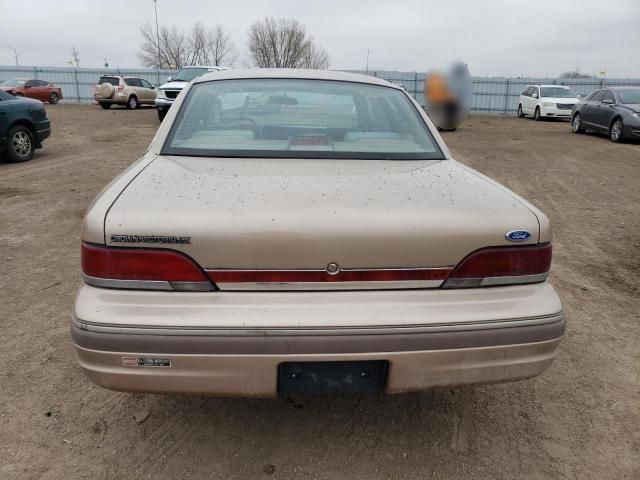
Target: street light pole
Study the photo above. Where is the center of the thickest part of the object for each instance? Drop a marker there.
(155, 6)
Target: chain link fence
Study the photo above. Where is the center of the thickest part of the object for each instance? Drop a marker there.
(499, 95)
(77, 83)
(491, 95)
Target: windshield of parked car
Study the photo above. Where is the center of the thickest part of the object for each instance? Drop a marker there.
(188, 74)
(115, 81)
(556, 92)
(13, 83)
(629, 96)
(299, 118)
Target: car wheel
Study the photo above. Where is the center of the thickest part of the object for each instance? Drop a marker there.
(162, 114)
(536, 116)
(106, 106)
(520, 112)
(576, 123)
(616, 132)
(132, 103)
(20, 144)
(53, 98)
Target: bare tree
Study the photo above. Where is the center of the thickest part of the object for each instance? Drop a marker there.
(220, 46)
(174, 48)
(148, 54)
(198, 45)
(315, 57)
(284, 43)
(575, 73)
(201, 46)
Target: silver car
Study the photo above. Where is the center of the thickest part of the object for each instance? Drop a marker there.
(320, 240)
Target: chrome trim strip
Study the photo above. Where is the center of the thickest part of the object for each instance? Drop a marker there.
(493, 281)
(128, 284)
(315, 286)
(538, 277)
(192, 286)
(384, 269)
(268, 331)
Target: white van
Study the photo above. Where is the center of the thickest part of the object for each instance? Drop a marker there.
(546, 101)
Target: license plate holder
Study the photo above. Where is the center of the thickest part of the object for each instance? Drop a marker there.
(313, 378)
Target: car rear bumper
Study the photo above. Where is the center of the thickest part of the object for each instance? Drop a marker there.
(118, 98)
(256, 375)
(226, 344)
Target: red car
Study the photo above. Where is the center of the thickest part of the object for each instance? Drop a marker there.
(32, 88)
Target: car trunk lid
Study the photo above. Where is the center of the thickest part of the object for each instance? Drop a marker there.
(361, 218)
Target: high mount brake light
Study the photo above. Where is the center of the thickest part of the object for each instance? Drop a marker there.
(502, 266)
(150, 269)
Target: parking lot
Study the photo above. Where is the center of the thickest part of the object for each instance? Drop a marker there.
(578, 420)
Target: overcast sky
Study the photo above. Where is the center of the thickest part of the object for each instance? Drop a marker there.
(495, 37)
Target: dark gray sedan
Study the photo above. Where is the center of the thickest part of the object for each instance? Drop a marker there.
(614, 111)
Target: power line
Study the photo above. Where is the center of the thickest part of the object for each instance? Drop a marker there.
(74, 55)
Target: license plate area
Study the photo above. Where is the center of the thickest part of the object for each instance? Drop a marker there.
(332, 377)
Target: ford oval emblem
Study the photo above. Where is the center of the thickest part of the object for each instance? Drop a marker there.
(518, 235)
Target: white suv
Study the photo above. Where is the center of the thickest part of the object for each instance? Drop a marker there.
(546, 101)
(170, 90)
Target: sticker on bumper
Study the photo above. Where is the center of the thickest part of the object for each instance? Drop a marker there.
(145, 362)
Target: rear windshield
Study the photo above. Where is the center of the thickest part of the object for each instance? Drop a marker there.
(188, 74)
(556, 92)
(13, 83)
(299, 119)
(115, 81)
(629, 96)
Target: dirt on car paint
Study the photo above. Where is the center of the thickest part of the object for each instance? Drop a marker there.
(581, 419)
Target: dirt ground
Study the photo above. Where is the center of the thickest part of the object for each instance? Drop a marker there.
(579, 420)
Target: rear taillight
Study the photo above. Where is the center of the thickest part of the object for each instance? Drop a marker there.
(502, 266)
(151, 269)
(120, 86)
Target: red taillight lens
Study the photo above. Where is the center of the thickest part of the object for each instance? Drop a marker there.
(139, 264)
(502, 266)
(120, 87)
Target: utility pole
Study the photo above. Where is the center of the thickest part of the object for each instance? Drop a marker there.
(15, 53)
(367, 68)
(74, 55)
(155, 6)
